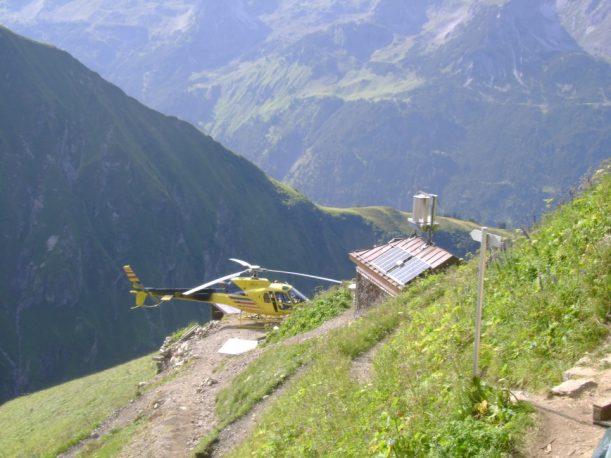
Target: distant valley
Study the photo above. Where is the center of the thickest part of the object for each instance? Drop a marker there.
(497, 105)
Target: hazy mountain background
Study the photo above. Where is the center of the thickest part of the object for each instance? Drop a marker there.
(495, 105)
(91, 180)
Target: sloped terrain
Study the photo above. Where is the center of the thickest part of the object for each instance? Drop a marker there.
(547, 305)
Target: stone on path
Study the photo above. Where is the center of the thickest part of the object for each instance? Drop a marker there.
(573, 387)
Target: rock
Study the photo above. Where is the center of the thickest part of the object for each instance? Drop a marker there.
(573, 387)
(141, 384)
(206, 382)
(601, 411)
(210, 381)
(579, 372)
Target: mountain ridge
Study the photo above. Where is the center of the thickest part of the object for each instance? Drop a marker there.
(504, 99)
(93, 180)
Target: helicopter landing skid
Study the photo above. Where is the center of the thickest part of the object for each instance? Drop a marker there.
(258, 321)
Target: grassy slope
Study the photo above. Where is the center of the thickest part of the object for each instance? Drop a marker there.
(546, 297)
(48, 422)
(545, 306)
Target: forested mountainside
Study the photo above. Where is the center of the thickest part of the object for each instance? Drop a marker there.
(495, 105)
(91, 180)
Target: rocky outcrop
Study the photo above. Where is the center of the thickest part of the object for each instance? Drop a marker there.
(175, 353)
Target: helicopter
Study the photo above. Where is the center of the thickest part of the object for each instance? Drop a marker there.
(233, 293)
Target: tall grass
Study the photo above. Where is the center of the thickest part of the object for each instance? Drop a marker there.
(546, 303)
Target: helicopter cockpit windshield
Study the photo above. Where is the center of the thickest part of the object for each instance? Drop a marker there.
(296, 296)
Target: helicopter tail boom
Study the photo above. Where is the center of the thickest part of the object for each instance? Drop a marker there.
(160, 295)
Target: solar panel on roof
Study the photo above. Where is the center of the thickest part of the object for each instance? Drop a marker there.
(408, 271)
(389, 259)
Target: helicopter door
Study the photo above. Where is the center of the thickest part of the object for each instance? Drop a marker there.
(266, 298)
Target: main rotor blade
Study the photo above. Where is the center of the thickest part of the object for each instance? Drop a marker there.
(242, 263)
(303, 275)
(213, 282)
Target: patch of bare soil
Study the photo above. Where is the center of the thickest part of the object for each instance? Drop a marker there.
(182, 410)
(564, 423)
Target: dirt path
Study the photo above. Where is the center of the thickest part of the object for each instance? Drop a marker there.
(564, 424)
(182, 410)
(362, 366)
(179, 412)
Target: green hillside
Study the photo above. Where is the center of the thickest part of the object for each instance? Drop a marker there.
(50, 421)
(492, 105)
(92, 180)
(547, 303)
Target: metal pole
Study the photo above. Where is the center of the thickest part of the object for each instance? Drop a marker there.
(432, 216)
(480, 301)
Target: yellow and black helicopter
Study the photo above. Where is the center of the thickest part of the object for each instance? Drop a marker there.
(232, 293)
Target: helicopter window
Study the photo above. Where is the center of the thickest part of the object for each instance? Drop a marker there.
(266, 298)
(281, 297)
(283, 301)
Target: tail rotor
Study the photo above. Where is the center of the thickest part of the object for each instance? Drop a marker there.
(138, 288)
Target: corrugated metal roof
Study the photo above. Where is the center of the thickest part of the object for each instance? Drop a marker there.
(398, 262)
